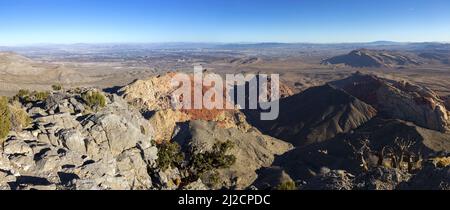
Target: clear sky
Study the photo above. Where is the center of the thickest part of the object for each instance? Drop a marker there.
(320, 21)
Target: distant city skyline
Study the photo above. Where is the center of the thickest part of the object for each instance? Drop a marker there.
(29, 22)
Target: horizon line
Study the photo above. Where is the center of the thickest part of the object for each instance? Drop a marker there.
(216, 43)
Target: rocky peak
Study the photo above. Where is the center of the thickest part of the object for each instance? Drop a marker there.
(399, 99)
(372, 58)
(154, 95)
(315, 115)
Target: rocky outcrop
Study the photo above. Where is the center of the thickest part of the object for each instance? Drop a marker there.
(372, 58)
(154, 96)
(118, 127)
(164, 122)
(315, 115)
(70, 146)
(251, 149)
(67, 149)
(399, 99)
(153, 93)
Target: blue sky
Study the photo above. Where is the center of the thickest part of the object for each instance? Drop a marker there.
(320, 21)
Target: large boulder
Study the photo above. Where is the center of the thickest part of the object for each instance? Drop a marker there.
(118, 127)
(72, 140)
(58, 121)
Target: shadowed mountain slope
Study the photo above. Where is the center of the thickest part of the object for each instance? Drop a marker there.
(372, 58)
(315, 115)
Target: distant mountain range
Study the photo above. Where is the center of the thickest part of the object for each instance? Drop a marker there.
(200, 45)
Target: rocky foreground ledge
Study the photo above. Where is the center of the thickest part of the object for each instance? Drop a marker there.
(68, 147)
(88, 139)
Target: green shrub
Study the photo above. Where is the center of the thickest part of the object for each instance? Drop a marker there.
(5, 124)
(289, 185)
(25, 96)
(21, 95)
(19, 117)
(57, 87)
(169, 154)
(201, 166)
(94, 99)
(40, 96)
(204, 166)
(214, 159)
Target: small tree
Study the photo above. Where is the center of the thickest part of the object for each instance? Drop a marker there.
(214, 159)
(401, 150)
(205, 165)
(400, 153)
(169, 154)
(361, 152)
